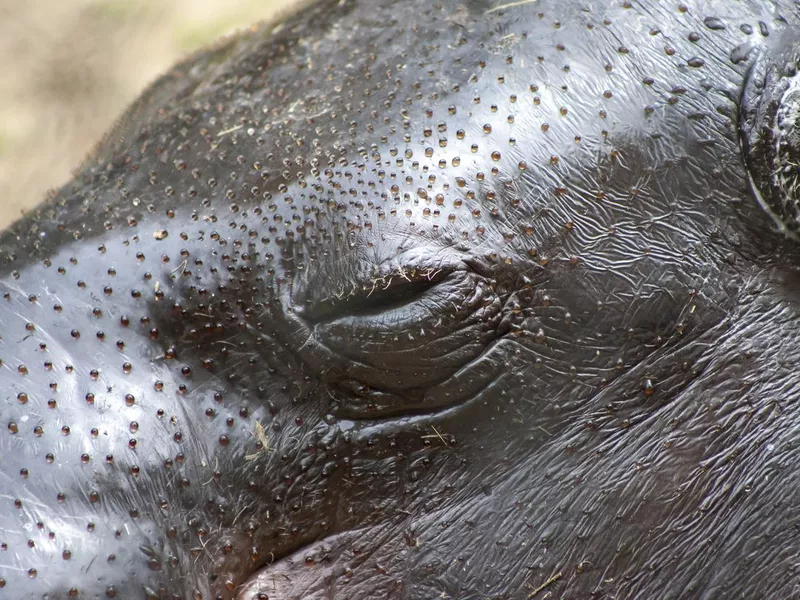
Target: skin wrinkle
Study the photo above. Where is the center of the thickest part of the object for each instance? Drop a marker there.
(435, 518)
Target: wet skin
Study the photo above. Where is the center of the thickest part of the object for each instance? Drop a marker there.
(421, 300)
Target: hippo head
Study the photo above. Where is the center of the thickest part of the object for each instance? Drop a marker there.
(424, 299)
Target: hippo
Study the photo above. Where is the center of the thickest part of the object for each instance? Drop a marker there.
(458, 299)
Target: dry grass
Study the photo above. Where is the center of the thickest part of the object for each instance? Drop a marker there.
(70, 67)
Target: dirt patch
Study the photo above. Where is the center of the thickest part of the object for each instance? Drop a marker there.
(70, 67)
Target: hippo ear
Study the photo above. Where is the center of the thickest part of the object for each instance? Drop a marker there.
(770, 127)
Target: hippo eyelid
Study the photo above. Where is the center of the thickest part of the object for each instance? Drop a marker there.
(380, 293)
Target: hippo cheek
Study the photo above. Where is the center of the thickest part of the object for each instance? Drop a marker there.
(155, 474)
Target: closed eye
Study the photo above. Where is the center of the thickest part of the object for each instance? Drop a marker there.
(380, 294)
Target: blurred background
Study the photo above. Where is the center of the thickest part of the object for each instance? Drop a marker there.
(68, 68)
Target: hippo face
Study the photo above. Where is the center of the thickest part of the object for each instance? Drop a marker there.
(421, 300)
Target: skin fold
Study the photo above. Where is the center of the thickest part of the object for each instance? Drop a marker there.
(417, 300)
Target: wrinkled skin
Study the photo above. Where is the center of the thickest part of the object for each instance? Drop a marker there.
(421, 300)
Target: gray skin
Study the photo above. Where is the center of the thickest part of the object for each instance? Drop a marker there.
(417, 300)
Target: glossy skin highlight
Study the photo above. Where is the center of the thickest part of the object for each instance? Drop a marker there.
(417, 300)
